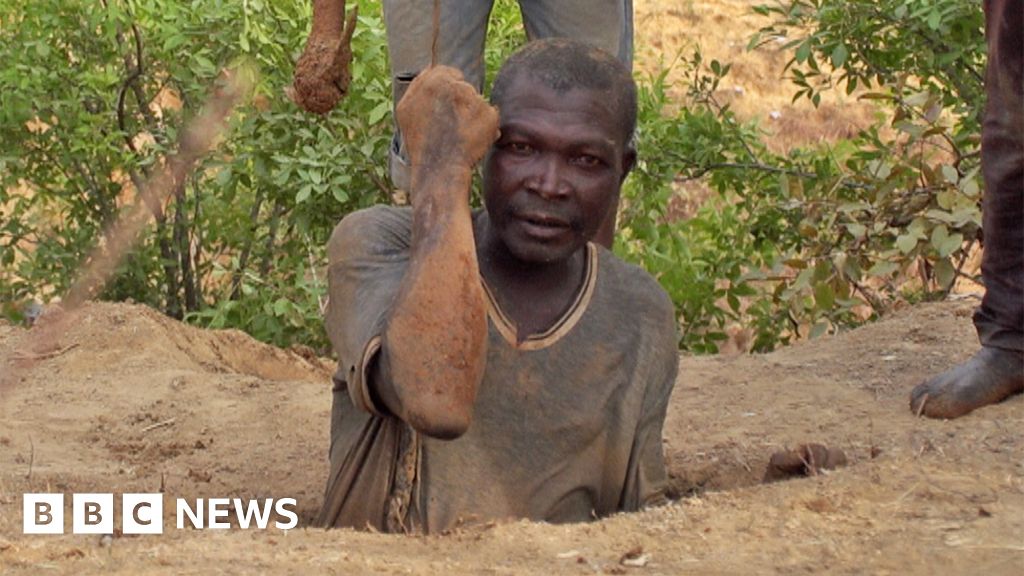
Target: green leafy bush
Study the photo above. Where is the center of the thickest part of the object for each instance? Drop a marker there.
(818, 240)
(92, 96)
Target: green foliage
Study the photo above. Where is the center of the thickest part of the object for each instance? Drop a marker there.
(693, 259)
(504, 35)
(240, 243)
(817, 240)
(931, 46)
(92, 96)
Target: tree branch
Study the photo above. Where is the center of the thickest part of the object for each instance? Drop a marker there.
(243, 258)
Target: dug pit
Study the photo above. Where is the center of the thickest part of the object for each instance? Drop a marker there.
(136, 402)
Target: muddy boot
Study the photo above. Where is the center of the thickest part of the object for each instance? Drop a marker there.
(990, 376)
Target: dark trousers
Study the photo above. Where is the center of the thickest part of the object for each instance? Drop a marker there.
(1000, 319)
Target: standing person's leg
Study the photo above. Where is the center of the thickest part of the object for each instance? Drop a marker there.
(410, 31)
(607, 24)
(997, 370)
(1000, 320)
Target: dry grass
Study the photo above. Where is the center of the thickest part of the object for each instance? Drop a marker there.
(755, 87)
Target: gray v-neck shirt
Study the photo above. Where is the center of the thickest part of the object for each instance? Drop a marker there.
(566, 426)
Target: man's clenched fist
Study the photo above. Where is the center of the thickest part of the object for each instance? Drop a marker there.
(444, 121)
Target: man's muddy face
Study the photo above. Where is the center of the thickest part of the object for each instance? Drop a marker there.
(555, 172)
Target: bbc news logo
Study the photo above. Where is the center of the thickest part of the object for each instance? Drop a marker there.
(144, 513)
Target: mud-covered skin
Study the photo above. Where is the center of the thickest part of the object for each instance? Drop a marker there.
(446, 124)
(435, 341)
(322, 73)
(990, 376)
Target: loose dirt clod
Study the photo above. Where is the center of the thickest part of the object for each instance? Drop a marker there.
(806, 460)
(635, 557)
(322, 73)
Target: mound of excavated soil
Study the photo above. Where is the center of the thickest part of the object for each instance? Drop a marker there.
(131, 401)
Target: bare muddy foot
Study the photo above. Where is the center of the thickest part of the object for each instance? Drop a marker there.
(990, 376)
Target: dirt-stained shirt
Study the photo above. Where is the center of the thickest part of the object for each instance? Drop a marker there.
(566, 426)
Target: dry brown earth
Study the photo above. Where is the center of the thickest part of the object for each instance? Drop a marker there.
(136, 400)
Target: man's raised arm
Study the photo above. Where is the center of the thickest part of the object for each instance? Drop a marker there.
(434, 344)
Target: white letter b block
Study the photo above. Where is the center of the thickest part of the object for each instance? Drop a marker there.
(92, 514)
(43, 514)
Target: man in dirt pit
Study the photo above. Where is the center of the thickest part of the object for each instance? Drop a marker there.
(498, 364)
(456, 38)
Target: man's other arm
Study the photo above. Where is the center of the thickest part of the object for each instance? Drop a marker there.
(647, 478)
